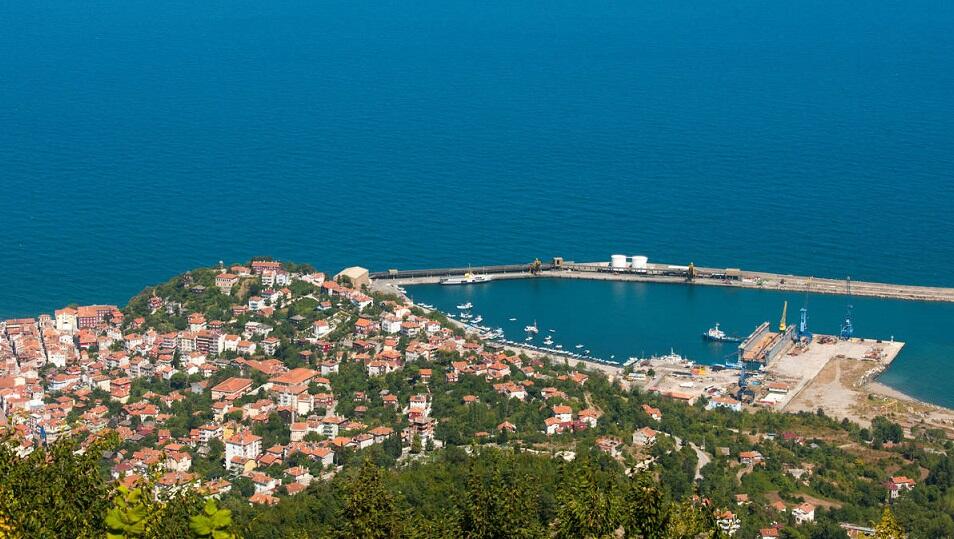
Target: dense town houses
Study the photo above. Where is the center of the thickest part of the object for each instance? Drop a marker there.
(263, 378)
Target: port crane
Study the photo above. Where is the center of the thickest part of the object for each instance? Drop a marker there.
(803, 333)
(847, 328)
(782, 325)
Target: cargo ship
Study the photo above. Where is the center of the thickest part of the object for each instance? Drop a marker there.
(717, 335)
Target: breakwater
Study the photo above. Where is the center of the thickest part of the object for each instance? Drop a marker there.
(675, 274)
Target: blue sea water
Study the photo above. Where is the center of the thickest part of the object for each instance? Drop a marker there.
(139, 139)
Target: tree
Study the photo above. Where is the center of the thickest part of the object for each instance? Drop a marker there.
(129, 515)
(690, 521)
(586, 510)
(646, 515)
(212, 523)
(499, 503)
(885, 430)
(392, 446)
(888, 527)
(244, 486)
(57, 490)
(370, 510)
(942, 474)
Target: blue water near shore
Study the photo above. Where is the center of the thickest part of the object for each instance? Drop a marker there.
(624, 319)
(140, 139)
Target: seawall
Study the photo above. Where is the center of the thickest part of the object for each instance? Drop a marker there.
(665, 273)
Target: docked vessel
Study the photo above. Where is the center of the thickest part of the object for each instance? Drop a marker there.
(468, 278)
(717, 335)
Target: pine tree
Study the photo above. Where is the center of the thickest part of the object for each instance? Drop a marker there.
(586, 510)
(501, 505)
(370, 510)
(646, 514)
(888, 528)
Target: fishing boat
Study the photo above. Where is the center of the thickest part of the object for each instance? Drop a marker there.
(717, 335)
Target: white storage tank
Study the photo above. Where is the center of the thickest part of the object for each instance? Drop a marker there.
(640, 262)
(618, 261)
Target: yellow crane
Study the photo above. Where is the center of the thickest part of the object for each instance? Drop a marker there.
(782, 326)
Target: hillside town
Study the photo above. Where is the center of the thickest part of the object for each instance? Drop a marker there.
(255, 381)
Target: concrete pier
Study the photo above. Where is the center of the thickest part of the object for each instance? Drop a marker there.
(667, 273)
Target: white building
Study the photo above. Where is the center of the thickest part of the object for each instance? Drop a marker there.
(242, 447)
(804, 513)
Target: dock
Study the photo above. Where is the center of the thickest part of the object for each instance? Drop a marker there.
(673, 274)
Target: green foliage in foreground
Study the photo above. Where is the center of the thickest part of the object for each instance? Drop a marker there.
(55, 492)
(60, 491)
(489, 494)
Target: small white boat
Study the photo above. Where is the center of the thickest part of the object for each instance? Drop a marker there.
(552, 331)
(465, 306)
(512, 319)
(478, 319)
(579, 346)
(532, 329)
(548, 341)
(559, 347)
